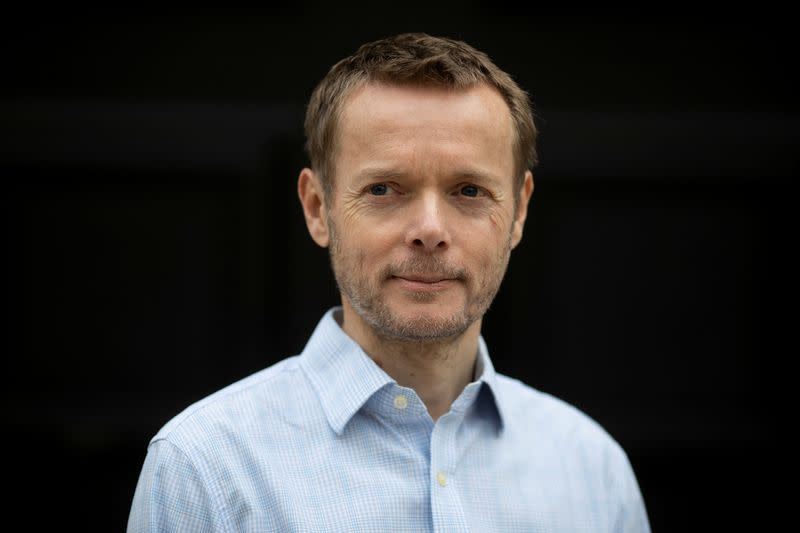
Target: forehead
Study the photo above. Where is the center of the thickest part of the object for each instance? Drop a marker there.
(378, 117)
(383, 105)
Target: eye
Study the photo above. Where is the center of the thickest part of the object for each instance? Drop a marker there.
(470, 190)
(379, 189)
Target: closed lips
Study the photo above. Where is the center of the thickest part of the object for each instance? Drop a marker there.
(423, 278)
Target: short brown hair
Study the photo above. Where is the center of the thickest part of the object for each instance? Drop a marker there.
(412, 59)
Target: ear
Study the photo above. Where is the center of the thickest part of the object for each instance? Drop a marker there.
(312, 198)
(525, 193)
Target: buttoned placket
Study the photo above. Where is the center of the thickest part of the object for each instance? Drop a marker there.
(446, 506)
(401, 407)
(438, 442)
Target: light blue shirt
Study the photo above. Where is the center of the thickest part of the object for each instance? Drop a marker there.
(327, 441)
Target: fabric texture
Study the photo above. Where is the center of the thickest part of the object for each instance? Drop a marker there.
(327, 441)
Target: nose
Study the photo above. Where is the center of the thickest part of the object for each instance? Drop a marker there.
(428, 229)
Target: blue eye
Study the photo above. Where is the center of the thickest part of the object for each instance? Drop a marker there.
(470, 190)
(379, 189)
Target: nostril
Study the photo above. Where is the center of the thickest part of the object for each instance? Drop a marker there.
(420, 242)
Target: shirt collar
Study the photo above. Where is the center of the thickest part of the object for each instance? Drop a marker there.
(345, 377)
(485, 372)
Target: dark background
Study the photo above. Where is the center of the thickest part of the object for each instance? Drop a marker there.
(155, 250)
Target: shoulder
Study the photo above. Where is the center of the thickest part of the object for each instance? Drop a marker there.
(558, 437)
(530, 409)
(257, 401)
(229, 447)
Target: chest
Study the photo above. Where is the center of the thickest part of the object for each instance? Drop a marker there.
(385, 481)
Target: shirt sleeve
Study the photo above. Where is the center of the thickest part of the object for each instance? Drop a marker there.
(171, 496)
(632, 514)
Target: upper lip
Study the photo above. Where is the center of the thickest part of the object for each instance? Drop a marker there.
(424, 278)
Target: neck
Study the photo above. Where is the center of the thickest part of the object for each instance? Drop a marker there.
(437, 370)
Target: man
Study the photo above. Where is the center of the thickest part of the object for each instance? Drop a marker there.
(393, 418)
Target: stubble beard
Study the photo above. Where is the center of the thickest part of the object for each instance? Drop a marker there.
(364, 295)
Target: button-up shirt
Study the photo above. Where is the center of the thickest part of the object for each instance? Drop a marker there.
(327, 441)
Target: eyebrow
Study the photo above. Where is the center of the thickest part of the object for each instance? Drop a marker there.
(381, 173)
(378, 173)
(478, 176)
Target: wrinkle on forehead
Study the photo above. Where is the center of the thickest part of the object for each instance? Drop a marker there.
(384, 124)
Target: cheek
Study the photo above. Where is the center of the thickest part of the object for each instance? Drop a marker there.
(481, 256)
(492, 253)
(500, 221)
(376, 239)
(489, 227)
(489, 238)
(364, 247)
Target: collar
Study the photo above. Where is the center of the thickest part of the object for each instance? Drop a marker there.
(345, 377)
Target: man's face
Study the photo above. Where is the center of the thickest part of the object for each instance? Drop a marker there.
(422, 216)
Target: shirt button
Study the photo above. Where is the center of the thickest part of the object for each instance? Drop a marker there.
(400, 401)
(441, 479)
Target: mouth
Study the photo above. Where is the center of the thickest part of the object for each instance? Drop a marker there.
(423, 282)
(422, 278)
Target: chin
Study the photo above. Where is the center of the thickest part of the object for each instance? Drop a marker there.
(423, 323)
(422, 308)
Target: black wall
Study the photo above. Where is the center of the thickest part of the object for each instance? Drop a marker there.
(155, 250)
